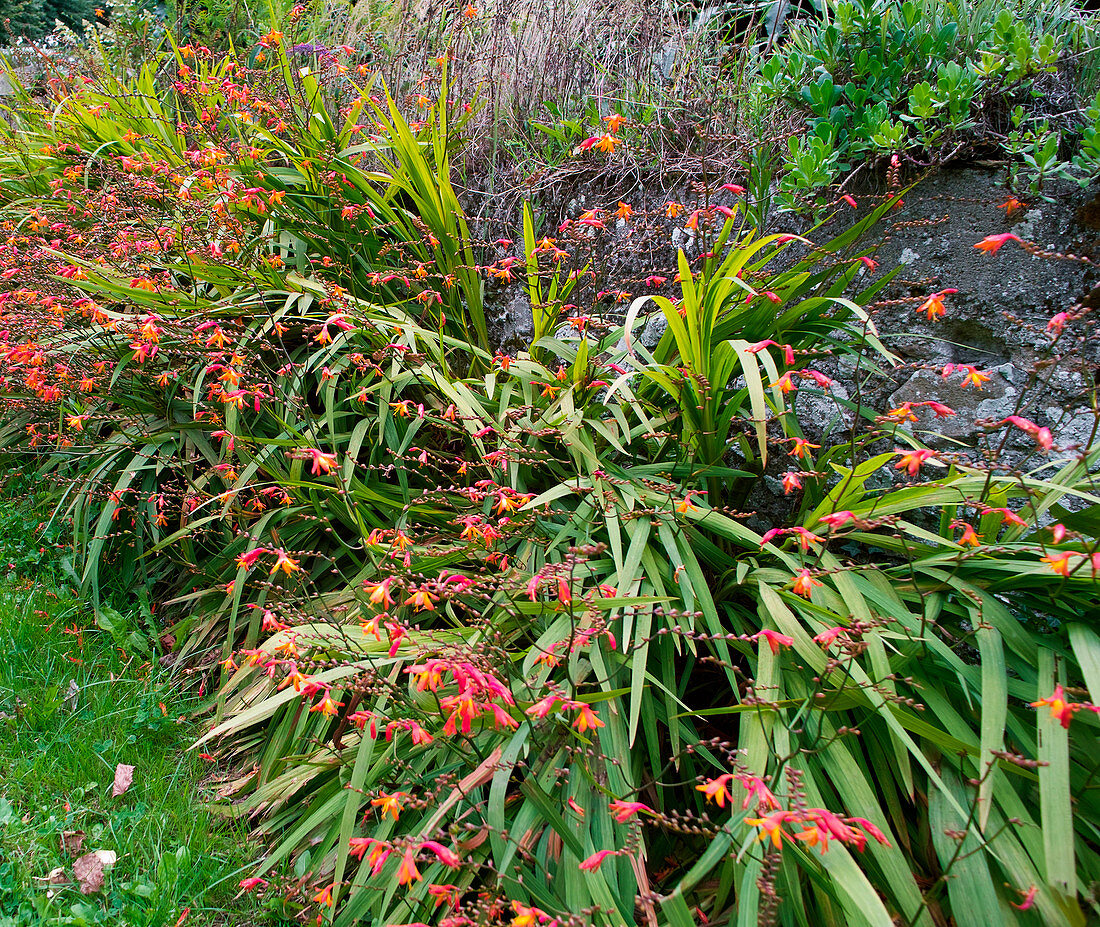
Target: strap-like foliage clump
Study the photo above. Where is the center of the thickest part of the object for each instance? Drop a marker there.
(500, 641)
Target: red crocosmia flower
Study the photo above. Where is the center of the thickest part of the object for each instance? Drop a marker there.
(445, 856)
(837, 519)
(1042, 436)
(850, 200)
(564, 595)
(871, 830)
(544, 706)
(788, 350)
(826, 637)
(774, 638)
(735, 189)
(992, 243)
(791, 482)
(1028, 898)
(756, 790)
(246, 560)
(595, 860)
(360, 845)
(252, 884)
(366, 719)
(771, 534)
(1057, 323)
(940, 409)
(623, 811)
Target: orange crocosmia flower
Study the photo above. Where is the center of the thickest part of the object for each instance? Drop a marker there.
(969, 536)
(815, 835)
(322, 463)
(791, 482)
(785, 384)
(422, 599)
(284, 562)
(587, 718)
(389, 804)
(1011, 206)
(685, 505)
(327, 706)
(771, 827)
(912, 461)
(672, 210)
(527, 916)
(801, 447)
(379, 593)
(933, 306)
(973, 376)
(1058, 562)
(444, 894)
(624, 211)
(1059, 707)
(804, 584)
(324, 896)
(407, 873)
(614, 122)
(716, 790)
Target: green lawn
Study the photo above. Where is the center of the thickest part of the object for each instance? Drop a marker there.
(74, 703)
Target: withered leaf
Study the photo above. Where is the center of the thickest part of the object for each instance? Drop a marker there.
(71, 842)
(124, 775)
(88, 870)
(72, 697)
(57, 876)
